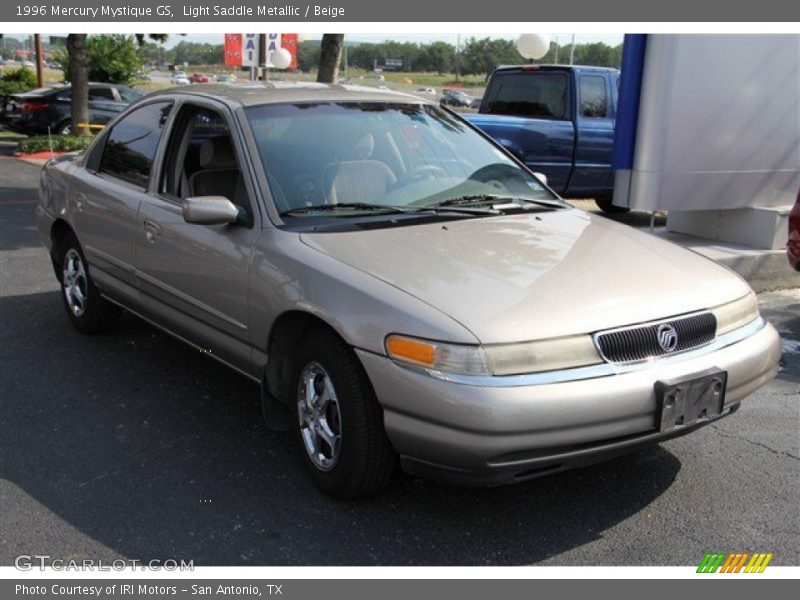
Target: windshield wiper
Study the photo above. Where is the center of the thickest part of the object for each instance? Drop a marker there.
(365, 206)
(479, 199)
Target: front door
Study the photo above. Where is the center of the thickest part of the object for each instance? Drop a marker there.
(194, 277)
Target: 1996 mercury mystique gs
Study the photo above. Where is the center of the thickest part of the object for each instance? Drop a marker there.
(404, 289)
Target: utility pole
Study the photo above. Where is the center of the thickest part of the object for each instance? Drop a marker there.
(458, 55)
(572, 51)
(557, 49)
(37, 43)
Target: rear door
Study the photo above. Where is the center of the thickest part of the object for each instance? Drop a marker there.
(595, 134)
(528, 111)
(105, 196)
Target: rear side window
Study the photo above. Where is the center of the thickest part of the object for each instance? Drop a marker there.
(534, 94)
(102, 93)
(132, 143)
(594, 99)
(128, 94)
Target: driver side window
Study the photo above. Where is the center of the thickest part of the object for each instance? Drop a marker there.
(202, 160)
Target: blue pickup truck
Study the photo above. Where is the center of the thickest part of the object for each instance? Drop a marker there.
(558, 120)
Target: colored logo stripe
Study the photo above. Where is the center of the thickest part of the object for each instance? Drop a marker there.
(758, 563)
(711, 562)
(734, 562)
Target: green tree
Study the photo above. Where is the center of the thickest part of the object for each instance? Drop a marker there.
(77, 71)
(15, 81)
(439, 57)
(308, 53)
(481, 57)
(153, 53)
(193, 53)
(112, 59)
(330, 57)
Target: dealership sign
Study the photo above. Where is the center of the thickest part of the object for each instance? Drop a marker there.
(244, 49)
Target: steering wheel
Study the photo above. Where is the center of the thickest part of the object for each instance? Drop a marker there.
(425, 172)
(504, 177)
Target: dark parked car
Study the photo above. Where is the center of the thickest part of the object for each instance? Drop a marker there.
(793, 245)
(455, 98)
(50, 108)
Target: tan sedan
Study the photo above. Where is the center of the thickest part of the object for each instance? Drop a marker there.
(405, 291)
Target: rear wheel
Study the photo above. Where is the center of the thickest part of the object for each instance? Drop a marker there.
(338, 421)
(64, 128)
(87, 309)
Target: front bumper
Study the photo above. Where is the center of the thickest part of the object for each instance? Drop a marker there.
(496, 434)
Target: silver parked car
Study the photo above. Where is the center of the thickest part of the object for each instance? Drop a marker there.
(404, 289)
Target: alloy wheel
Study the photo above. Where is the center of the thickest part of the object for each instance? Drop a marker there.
(319, 416)
(74, 279)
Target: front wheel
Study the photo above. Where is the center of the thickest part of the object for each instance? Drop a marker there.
(87, 309)
(338, 421)
(605, 204)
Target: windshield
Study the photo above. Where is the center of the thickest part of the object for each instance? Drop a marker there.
(387, 154)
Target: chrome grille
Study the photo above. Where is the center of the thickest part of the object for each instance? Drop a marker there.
(640, 342)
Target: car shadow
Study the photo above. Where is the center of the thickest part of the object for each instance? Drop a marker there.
(155, 451)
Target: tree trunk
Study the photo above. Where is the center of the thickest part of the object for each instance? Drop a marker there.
(79, 78)
(331, 54)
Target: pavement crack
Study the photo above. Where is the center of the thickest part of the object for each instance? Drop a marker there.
(754, 443)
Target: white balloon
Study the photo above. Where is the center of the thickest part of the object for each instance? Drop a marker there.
(533, 45)
(280, 58)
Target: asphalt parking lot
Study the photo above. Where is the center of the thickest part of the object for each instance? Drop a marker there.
(133, 445)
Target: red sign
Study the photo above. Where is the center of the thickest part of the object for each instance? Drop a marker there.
(233, 49)
(289, 41)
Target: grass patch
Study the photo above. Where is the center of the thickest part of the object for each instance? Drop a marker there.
(6, 135)
(60, 143)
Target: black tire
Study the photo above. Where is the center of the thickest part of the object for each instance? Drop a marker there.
(95, 314)
(366, 460)
(64, 128)
(607, 207)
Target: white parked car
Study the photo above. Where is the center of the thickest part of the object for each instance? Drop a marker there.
(179, 78)
(425, 91)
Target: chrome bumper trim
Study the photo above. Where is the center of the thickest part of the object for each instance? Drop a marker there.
(593, 371)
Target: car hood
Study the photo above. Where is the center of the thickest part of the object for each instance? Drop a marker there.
(530, 276)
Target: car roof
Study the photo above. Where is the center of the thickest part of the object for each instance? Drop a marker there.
(61, 87)
(253, 93)
(554, 68)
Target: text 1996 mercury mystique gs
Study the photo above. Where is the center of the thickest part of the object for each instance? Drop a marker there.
(404, 289)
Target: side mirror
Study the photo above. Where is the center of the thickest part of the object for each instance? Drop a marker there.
(541, 177)
(209, 210)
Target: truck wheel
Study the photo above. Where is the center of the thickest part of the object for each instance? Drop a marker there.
(87, 309)
(604, 204)
(338, 421)
(64, 128)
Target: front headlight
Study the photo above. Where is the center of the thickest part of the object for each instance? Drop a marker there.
(736, 314)
(496, 359)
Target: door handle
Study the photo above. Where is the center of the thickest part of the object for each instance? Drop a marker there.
(79, 199)
(151, 230)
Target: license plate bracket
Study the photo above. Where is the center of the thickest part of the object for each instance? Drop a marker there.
(686, 402)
